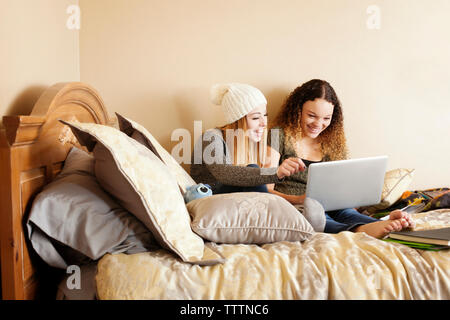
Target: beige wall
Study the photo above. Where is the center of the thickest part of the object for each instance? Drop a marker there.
(37, 50)
(154, 61)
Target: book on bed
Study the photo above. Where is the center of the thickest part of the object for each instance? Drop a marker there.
(439, 237)
(418, 245)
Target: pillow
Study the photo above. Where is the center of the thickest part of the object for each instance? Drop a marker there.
(314, 213)
(73, 221)
(396, 182)
(140, 134)
(248, 217)
(143, 185)
(77, 161)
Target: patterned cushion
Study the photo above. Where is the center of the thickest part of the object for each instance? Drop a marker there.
(140, 134)
(395, 183)
(248, 217)
(143, 185)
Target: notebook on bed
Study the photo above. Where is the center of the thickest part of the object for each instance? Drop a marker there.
(347, 183)
(439, 236)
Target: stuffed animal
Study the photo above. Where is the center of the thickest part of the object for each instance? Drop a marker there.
(197, 191)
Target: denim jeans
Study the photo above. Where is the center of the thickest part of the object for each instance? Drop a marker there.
(345, 220)
(223, 188)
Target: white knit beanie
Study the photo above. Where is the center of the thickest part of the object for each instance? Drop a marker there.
(236, 99)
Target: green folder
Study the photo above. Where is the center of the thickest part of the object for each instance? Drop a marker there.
(418, 245)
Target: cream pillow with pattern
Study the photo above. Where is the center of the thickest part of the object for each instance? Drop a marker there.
(143, 185)
(396, 182)
(248, 217)
(141, 134)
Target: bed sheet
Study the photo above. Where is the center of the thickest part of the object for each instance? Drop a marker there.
(328, 266)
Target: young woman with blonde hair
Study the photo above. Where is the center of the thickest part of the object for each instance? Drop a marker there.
(233, 156)
(310, 126)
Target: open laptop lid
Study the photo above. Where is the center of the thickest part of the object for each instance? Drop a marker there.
(347, 183)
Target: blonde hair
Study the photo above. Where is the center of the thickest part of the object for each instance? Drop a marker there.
(244, 151)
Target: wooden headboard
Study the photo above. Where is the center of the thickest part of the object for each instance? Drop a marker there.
(32, 151)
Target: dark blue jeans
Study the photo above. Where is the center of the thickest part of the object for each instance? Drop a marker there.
(345, 220)
(223, 188)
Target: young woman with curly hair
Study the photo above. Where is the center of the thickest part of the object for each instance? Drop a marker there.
(310, 126)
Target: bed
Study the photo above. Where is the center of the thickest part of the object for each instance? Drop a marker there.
(319, 266)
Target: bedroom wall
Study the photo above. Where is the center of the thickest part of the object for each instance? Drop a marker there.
(37, 50)
(154, 61)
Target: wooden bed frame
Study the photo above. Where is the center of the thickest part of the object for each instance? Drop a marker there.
(32, 151)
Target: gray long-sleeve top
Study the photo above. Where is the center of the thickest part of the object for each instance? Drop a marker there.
(212, 165)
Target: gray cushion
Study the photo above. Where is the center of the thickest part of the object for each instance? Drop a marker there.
(74, 221)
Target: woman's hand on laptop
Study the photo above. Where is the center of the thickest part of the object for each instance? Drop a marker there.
(289, 167)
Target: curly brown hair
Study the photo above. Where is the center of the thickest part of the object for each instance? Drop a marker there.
(332, 139)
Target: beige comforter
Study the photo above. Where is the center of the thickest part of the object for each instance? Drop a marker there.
(328, 266)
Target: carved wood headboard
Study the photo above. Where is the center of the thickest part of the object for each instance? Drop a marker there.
(32, 152)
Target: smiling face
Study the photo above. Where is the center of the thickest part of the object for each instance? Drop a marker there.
(316, 117)
(256, 123)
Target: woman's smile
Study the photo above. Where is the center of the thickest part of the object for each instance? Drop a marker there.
(257, 122)
(313, 130)
(316, 117)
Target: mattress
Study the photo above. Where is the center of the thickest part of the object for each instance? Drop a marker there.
(328, 266)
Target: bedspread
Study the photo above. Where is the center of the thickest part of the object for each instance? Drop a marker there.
(328, 266)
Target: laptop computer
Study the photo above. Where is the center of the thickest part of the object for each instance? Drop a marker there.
(347, 183)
